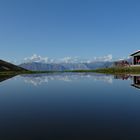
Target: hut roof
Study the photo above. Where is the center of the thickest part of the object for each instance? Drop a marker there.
(135, 53)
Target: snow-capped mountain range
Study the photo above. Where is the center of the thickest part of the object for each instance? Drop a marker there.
(39, 66)
(38, 63)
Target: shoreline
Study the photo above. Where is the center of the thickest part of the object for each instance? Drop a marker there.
(113, 70)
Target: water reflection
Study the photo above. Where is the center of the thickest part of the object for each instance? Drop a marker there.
(123, 76)
(38, 79)
(135, 78)
(136, 81)
(89, 106)
(6, 77)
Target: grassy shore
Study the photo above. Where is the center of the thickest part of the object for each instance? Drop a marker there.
(119, 70)
(113, 70)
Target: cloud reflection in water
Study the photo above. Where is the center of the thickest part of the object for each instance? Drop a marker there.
(38, 79)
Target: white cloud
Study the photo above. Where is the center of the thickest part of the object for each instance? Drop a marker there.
(68, 60)
(38, 58)
(104, 58)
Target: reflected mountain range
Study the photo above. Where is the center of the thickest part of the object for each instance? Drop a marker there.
(38, 79)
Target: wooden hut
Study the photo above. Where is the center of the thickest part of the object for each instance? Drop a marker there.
(136, 58)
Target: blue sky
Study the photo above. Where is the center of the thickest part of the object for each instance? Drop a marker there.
(61, 28)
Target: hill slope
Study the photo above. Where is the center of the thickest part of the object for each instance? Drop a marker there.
(6, 66)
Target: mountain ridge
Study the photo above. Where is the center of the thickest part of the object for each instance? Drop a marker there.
(39, 66)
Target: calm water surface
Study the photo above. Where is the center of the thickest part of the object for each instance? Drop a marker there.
(70, 107)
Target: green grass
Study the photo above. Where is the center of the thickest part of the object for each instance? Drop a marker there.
(113, 70)
(120, 70)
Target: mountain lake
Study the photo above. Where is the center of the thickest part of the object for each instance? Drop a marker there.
(70, 106)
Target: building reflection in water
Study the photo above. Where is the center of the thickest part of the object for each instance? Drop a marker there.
(134, 78)
(136, 81)
(123, 77)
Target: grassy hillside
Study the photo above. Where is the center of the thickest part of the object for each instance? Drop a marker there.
(7, 67)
